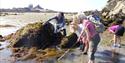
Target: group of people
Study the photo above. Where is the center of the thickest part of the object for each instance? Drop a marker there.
(88, 28)
(87, 33)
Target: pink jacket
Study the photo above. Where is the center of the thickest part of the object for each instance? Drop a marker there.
(89, 31)
(113, 28)
(90, 27)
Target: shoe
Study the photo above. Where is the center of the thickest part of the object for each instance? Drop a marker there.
(85, 53)
(114, 45)
(118, 45)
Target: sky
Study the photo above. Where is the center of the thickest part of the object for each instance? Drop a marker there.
(58, 5)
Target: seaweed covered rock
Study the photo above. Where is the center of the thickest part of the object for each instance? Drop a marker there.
(69, 41)
(35, 35)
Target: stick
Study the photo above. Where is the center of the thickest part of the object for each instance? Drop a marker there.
(66, 52)
(63, 55)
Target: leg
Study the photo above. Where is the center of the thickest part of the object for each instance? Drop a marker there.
(91, 53)
(115, 41)
(119, 41)
(93, 47)
(86, 47)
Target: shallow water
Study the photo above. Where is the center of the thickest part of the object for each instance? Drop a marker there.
(5, 53)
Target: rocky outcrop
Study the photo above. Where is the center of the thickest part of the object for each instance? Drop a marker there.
(2, 38)
(114, 7)
(37, 40)
(35, 35)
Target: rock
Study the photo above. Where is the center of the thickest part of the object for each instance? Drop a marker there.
(69, 41)
(35, 35)
(2, 38)
(31, 54)
(115, 7)
(1, 48)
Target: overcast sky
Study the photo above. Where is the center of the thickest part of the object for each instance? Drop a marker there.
(58, 5)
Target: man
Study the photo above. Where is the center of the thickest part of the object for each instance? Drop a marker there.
(59, 23)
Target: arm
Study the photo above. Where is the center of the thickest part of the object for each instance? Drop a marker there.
(51, 19)
(83, 31)
(87, 35)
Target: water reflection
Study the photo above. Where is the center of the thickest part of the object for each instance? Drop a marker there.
(8, 30)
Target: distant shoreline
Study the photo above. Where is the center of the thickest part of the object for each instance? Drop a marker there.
(1, 26)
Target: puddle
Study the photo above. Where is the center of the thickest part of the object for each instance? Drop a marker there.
(5, 53)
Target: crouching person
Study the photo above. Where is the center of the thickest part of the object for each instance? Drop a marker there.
(92, 37)
(118, 31)
(59, 23)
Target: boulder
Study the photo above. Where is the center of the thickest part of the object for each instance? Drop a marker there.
(2, 38)
(69, 41)
(35, 35)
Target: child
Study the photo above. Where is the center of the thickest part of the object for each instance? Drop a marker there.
(118, 31)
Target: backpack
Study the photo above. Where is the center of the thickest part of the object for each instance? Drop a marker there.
(99, 26)
(120, 31)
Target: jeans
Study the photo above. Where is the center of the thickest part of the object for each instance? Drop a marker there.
(93, 46)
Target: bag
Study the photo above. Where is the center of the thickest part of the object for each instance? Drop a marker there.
(99, 26)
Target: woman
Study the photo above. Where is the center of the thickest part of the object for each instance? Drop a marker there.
(118, 31)
(91, 37)
(74, 24)
(59, 23)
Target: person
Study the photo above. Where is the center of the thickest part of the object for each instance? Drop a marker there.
(118, 31)
(95, 14)
(59, 23)
(74, 24)
(91, 37)
(83, 44)
(100, 28)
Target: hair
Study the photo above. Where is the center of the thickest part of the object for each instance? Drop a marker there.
(81, 16)
(61, 13)
(74, 19)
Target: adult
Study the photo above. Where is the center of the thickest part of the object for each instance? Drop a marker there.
(118, 31)
(91, 37)
(59, 23)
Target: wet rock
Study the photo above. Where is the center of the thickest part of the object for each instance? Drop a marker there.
(47, 54)
(1, 48)
(2, 38)
(69, 41)
(31, 54)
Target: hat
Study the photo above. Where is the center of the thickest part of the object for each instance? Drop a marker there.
(92, 19)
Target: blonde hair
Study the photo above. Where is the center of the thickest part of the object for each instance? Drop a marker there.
(74, 24)
(75, 19)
